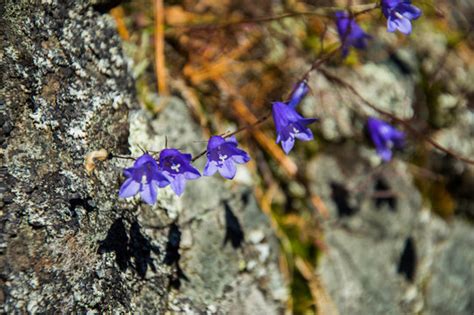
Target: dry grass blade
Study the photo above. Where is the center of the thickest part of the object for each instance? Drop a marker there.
(320, 206)
(324, 304)
(160, 47)
(118, 14)
(286, 259)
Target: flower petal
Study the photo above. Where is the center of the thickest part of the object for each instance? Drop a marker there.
(404, 26)
(241, 158)
(288, 144)
(178, 185)
(192, 174)
(384, 153)
(166, 153)
(298, 94)
(389, 4)
(392, 24)
(210, 168)
(160, 178)
(228, 169)
(232, 140)
(144, 159)
(283, 115)
(409, 11)
(306, 121)
(128, 172)
(214, 142)
(149, 193)
(305, 135)
(129, 188)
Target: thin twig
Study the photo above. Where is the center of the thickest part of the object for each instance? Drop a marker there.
(116, 156)
(160, 47)
(258, 122)
(322, 12)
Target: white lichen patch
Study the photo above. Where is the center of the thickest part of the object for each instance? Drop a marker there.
(116, 57)
(381, 86)
(11, 52)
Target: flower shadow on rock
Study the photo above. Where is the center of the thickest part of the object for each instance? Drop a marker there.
(137, 246)
(172, 256)
(233, 228)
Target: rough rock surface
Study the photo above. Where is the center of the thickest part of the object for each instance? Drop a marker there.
(67, 242)
(389, 254)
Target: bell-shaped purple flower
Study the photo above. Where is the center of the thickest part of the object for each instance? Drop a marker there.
(222, 155)
(144, 178)
(385, 137)
(177, 168)
(290, 125)
(350, 33)
(298, 94)
(399, 14)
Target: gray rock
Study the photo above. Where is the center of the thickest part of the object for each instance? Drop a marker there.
(389, 254)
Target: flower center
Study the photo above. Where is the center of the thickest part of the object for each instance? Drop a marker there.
(175, 167)
(144, 181)
(385, 131)
(398, 15)
(294, 132)
(222, 158)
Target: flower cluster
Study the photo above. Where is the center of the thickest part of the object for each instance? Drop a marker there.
(174, 168)
(399, 14)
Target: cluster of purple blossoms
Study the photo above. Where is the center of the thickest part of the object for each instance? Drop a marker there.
(399, 14)
(175, 168)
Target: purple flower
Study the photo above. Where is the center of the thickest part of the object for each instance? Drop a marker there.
(385, 137)
(298, 94)
(290, 125)
(177, 168)
(350, 33)
(221, 156)
(399, 14)
(143, 177)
